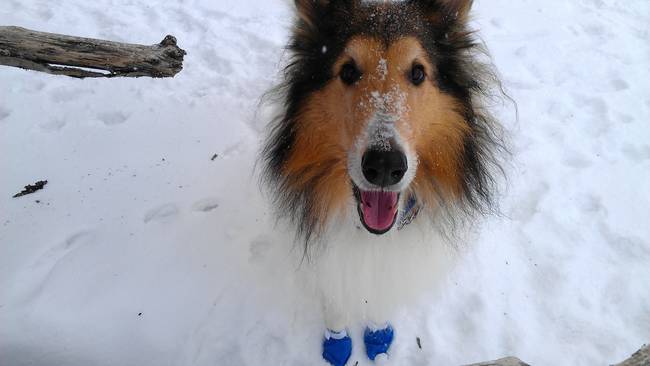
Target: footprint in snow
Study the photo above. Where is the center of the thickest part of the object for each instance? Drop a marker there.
(45, 14)
(63, 94)
(161, 213)
(52, 125)
(4, 113)
(258, 249)
(619, 85)
(637, 154)
(205, 205)
(49, 263)
(630, 248)
(521, 51)
(596, 31)
(625, 118)
(496, 23)
(575, 159)
(32, 86)
(529, 204)
(598, 111)
(113, 118)
(590, 204)
(58, 252)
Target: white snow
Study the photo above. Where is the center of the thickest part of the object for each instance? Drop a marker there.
(382, 69)
(144, 251)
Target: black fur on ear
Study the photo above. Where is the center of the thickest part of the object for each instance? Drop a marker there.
(445, 12)
(314, 16)
(309, 11)
(457, 9)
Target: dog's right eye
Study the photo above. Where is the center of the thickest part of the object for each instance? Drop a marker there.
(349, 73)
(418, 75)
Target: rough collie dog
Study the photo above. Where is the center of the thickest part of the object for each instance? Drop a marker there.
(382, 145)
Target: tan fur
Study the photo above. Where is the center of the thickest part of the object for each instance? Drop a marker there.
(334, 118)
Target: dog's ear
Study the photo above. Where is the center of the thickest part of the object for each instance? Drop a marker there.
(446, 11)
(309, 10)
(313, 13)
(458, 9)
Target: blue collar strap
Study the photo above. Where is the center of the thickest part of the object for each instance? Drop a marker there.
(410, 212)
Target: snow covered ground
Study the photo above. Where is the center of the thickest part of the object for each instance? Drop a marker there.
(142, 250)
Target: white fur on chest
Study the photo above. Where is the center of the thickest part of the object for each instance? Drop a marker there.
(366, 278)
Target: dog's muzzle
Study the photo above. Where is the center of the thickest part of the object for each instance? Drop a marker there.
(382, 167)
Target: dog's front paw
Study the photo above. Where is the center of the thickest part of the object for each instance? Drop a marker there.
(377, 342)
(337, 348)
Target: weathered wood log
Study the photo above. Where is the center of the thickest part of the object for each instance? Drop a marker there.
(640, 358)
(508, 361)
(86, 57)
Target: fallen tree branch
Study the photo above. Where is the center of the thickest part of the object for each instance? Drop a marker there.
(86, 57)
(508, 361)
(31, 188)
(640, 358)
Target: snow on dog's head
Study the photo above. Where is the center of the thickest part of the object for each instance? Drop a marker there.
(382, 103)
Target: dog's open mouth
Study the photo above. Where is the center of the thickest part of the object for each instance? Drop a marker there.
(377, 209)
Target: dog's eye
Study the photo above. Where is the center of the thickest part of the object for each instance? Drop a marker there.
(349, 73)
(417, 74)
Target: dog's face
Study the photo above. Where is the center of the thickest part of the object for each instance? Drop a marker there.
(378, 109)
(384, 121)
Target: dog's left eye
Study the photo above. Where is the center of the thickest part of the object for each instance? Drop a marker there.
(417, 74)
(350, 74)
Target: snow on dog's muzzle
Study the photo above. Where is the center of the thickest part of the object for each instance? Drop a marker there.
(381, 166)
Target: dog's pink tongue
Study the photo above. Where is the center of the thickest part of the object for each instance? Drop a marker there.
(379, 209)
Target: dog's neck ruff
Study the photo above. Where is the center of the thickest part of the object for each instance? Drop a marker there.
(410, 212)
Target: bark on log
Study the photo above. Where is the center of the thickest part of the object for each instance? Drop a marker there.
(640, 358)
(86, 57)
(508, 361)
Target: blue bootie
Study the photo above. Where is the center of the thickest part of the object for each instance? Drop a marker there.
(337, 348)
(378, 341)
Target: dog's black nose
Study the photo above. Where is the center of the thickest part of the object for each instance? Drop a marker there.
(384, 168)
